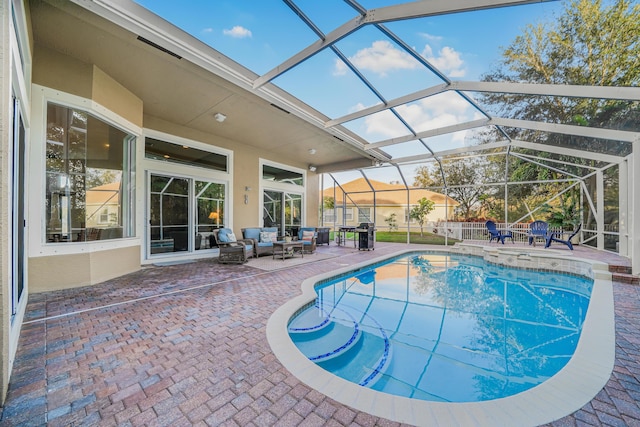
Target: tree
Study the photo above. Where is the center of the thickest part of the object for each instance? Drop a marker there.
(462, 178)
(587, 45)
(328, 202)
(421, 211)
(590, 43)
(391, 221)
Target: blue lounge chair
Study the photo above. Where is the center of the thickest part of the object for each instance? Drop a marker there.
(538, 230)
(557, 237)
(499, 235)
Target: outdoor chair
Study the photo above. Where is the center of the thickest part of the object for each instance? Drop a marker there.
(499, 235)
(308, 235)
(232, 251)
(557, 237)
(262, 238)
(538, 230)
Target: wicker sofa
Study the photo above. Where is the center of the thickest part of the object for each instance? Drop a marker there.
(261, 246)
(232, 251)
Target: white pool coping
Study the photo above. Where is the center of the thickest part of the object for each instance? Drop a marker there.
(569, 390)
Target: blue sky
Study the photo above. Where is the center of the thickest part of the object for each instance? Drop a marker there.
(261, 34)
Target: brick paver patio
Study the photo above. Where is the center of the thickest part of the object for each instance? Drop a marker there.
(185, 345)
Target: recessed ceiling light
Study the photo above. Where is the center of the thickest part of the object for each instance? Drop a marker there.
(312, 151)
(219, 117)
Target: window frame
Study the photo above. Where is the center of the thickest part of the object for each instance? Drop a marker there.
(36, 179)
(149, 166)
(284, 187)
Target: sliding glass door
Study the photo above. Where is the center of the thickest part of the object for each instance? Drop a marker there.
(169, 214)
(183, 212)
(282, 210)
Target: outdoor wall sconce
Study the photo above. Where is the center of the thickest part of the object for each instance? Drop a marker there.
(312, 168)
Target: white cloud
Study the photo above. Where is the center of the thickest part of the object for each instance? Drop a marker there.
(238, 32)
(358, 107)
(384, 125)
(380, 58)
(429, 113)
(447, 60)
(431, 37)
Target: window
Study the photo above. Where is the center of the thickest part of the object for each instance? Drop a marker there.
(89, 166)
(104, 216)
(275, 174)
(156, 149)
(364, 215)
(335, 216)
(407, 218)
(282, 197)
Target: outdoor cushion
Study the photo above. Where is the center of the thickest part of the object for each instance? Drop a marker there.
(268, 236)
(306, 229)
(307, 235)
(226, 235)
(251, 233)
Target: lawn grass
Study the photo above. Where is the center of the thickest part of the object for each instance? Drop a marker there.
(401, 237)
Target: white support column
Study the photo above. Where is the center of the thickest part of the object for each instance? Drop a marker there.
(600, 210)
(634, 203)
(624, 196)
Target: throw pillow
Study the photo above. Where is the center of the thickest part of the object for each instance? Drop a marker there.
(226, 236)
(308, 235)
(267, 237)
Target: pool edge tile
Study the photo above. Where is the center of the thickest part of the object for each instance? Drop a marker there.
(592, 365)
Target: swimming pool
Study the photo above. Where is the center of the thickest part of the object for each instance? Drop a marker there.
(567, 391)
(447, 328)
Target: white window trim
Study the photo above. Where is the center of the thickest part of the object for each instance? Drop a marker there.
(282, 186)
(158, 167)
(36, 178)
(18, 82)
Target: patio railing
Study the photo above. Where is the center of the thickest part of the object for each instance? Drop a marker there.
(478, 230)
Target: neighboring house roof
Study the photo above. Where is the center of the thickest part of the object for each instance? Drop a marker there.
(106, 194)
(386, 194)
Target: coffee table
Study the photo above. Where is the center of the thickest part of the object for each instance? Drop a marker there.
(287, 249)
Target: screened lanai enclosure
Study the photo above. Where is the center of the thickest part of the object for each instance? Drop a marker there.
(458, 101)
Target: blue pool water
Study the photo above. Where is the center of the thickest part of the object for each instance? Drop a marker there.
(442, 327)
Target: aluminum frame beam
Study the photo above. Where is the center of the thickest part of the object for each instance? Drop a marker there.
(430, 133)
(570, 91)
(536, 146)
(589, 132)
(439, 154)
(411, 10)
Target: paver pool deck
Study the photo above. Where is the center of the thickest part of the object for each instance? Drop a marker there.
(185, 345)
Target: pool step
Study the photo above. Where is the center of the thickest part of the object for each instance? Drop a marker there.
(336, 343)
(329, 341)
(364, 361)
(310, 321)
